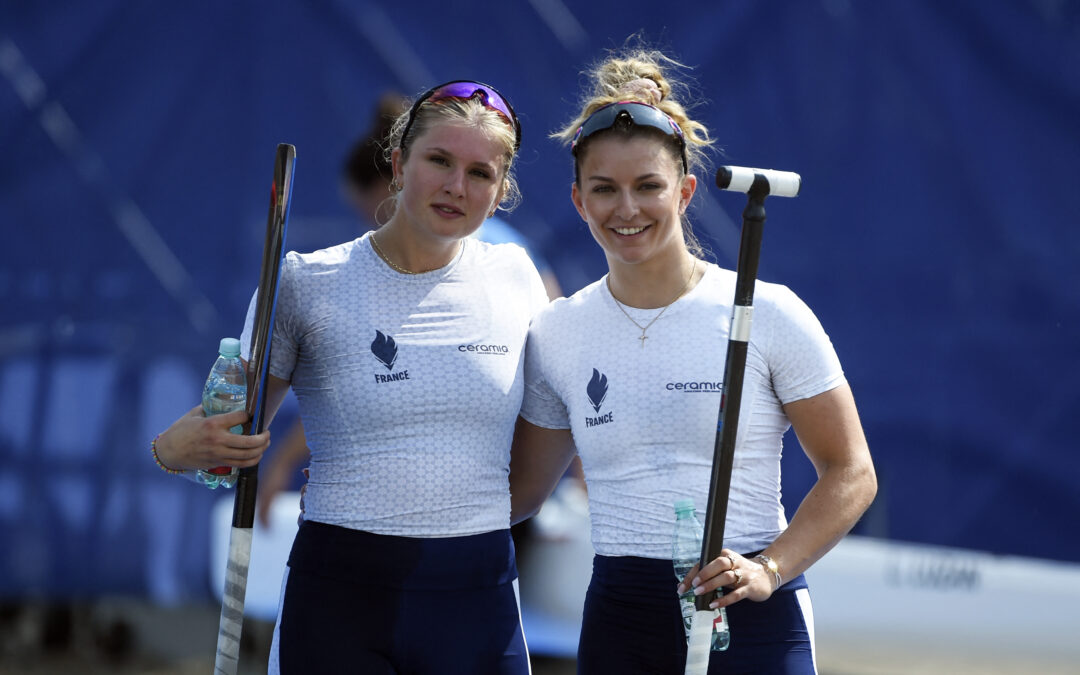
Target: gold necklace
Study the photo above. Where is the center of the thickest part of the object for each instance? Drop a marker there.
(393, 265)
(387, 260)
(646, 327)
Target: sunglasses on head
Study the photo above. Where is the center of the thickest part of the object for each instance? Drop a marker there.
(640, 114)
(466, 89)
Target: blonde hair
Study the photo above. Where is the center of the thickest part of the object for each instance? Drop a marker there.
(619, 78)
(636, 73)
(466, 112)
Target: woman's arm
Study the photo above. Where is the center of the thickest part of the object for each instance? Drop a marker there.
(280, 468)
(538, 459)
(830, 433)
(196, 441)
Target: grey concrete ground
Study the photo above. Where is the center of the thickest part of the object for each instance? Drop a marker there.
(126, 637)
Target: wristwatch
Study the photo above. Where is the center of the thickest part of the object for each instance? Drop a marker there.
(770, 564)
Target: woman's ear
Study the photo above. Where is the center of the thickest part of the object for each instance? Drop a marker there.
(686, 191)
(499, 197)
(397, 165)
(575, 197)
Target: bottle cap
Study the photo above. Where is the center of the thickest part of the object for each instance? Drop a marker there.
(229, 347)
(684, 505)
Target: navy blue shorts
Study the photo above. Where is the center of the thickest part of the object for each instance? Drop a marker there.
(356, 602)
(632, 624)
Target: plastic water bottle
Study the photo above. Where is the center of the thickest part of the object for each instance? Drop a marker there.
(225, 391)
(686, 552)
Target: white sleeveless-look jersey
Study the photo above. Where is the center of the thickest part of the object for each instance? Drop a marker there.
(644, 418)
(409, 386)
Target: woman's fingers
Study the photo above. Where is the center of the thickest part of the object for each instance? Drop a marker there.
(241, 462)
(738, 577)
(257, 443)
(725, 562)
(684, 585)
(303, 491)
(226, 448)
(245, 451)
(728, 570)
(220, 434)
(231, 419)
(714, 575)
(197, 441)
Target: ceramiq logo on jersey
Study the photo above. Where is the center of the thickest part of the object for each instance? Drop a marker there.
(696, 387)
(497, 350)
(385, 350)
(597, 392)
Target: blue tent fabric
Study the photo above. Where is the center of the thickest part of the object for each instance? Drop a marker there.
(935, 236)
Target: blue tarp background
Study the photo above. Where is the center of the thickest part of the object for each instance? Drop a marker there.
(936, 236)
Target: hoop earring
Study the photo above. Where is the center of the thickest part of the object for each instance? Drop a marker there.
(396, 187)
(387, 207)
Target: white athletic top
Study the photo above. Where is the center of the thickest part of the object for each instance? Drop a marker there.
(644, 418)
(408, 385)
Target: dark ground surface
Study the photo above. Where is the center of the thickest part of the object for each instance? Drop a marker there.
(127, 637)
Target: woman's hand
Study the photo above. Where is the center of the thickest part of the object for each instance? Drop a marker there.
(303, 491)
(196, 441)
(740, 577)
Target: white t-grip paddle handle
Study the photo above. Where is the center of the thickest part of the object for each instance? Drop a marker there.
(741, 179)
(699, 645)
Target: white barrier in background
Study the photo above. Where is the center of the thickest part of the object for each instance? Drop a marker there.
(965, 601)
(864, 590)
(270, 548)
(555, 569)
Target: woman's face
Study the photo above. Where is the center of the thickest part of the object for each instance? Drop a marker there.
(452, 180)
(632, 193)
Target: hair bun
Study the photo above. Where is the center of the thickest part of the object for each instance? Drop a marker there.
(643, 89)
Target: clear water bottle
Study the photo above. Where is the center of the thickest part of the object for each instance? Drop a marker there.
(686, 552)
(225, 391)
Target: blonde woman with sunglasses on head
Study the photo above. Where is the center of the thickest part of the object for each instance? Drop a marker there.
(628, 372)
(404, 348)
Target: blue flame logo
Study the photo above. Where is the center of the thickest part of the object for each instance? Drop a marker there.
(597, 389)
(385, 349)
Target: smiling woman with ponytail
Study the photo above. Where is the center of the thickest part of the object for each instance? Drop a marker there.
(603, 370)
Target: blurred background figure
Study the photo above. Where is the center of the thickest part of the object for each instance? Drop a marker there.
(366, 172)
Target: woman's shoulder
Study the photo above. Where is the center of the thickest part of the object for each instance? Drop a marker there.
(509, 266)
(505, 253)
(320, 260)
(767, 294)
(779, 298)
(575, 307)
(784, 318)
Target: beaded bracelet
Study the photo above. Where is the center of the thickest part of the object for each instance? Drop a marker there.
(157, 460)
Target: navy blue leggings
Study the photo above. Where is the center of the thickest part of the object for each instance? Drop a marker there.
(632, 624)
(357, 602)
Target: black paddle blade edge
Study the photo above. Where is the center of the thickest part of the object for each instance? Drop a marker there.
(265, 304)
